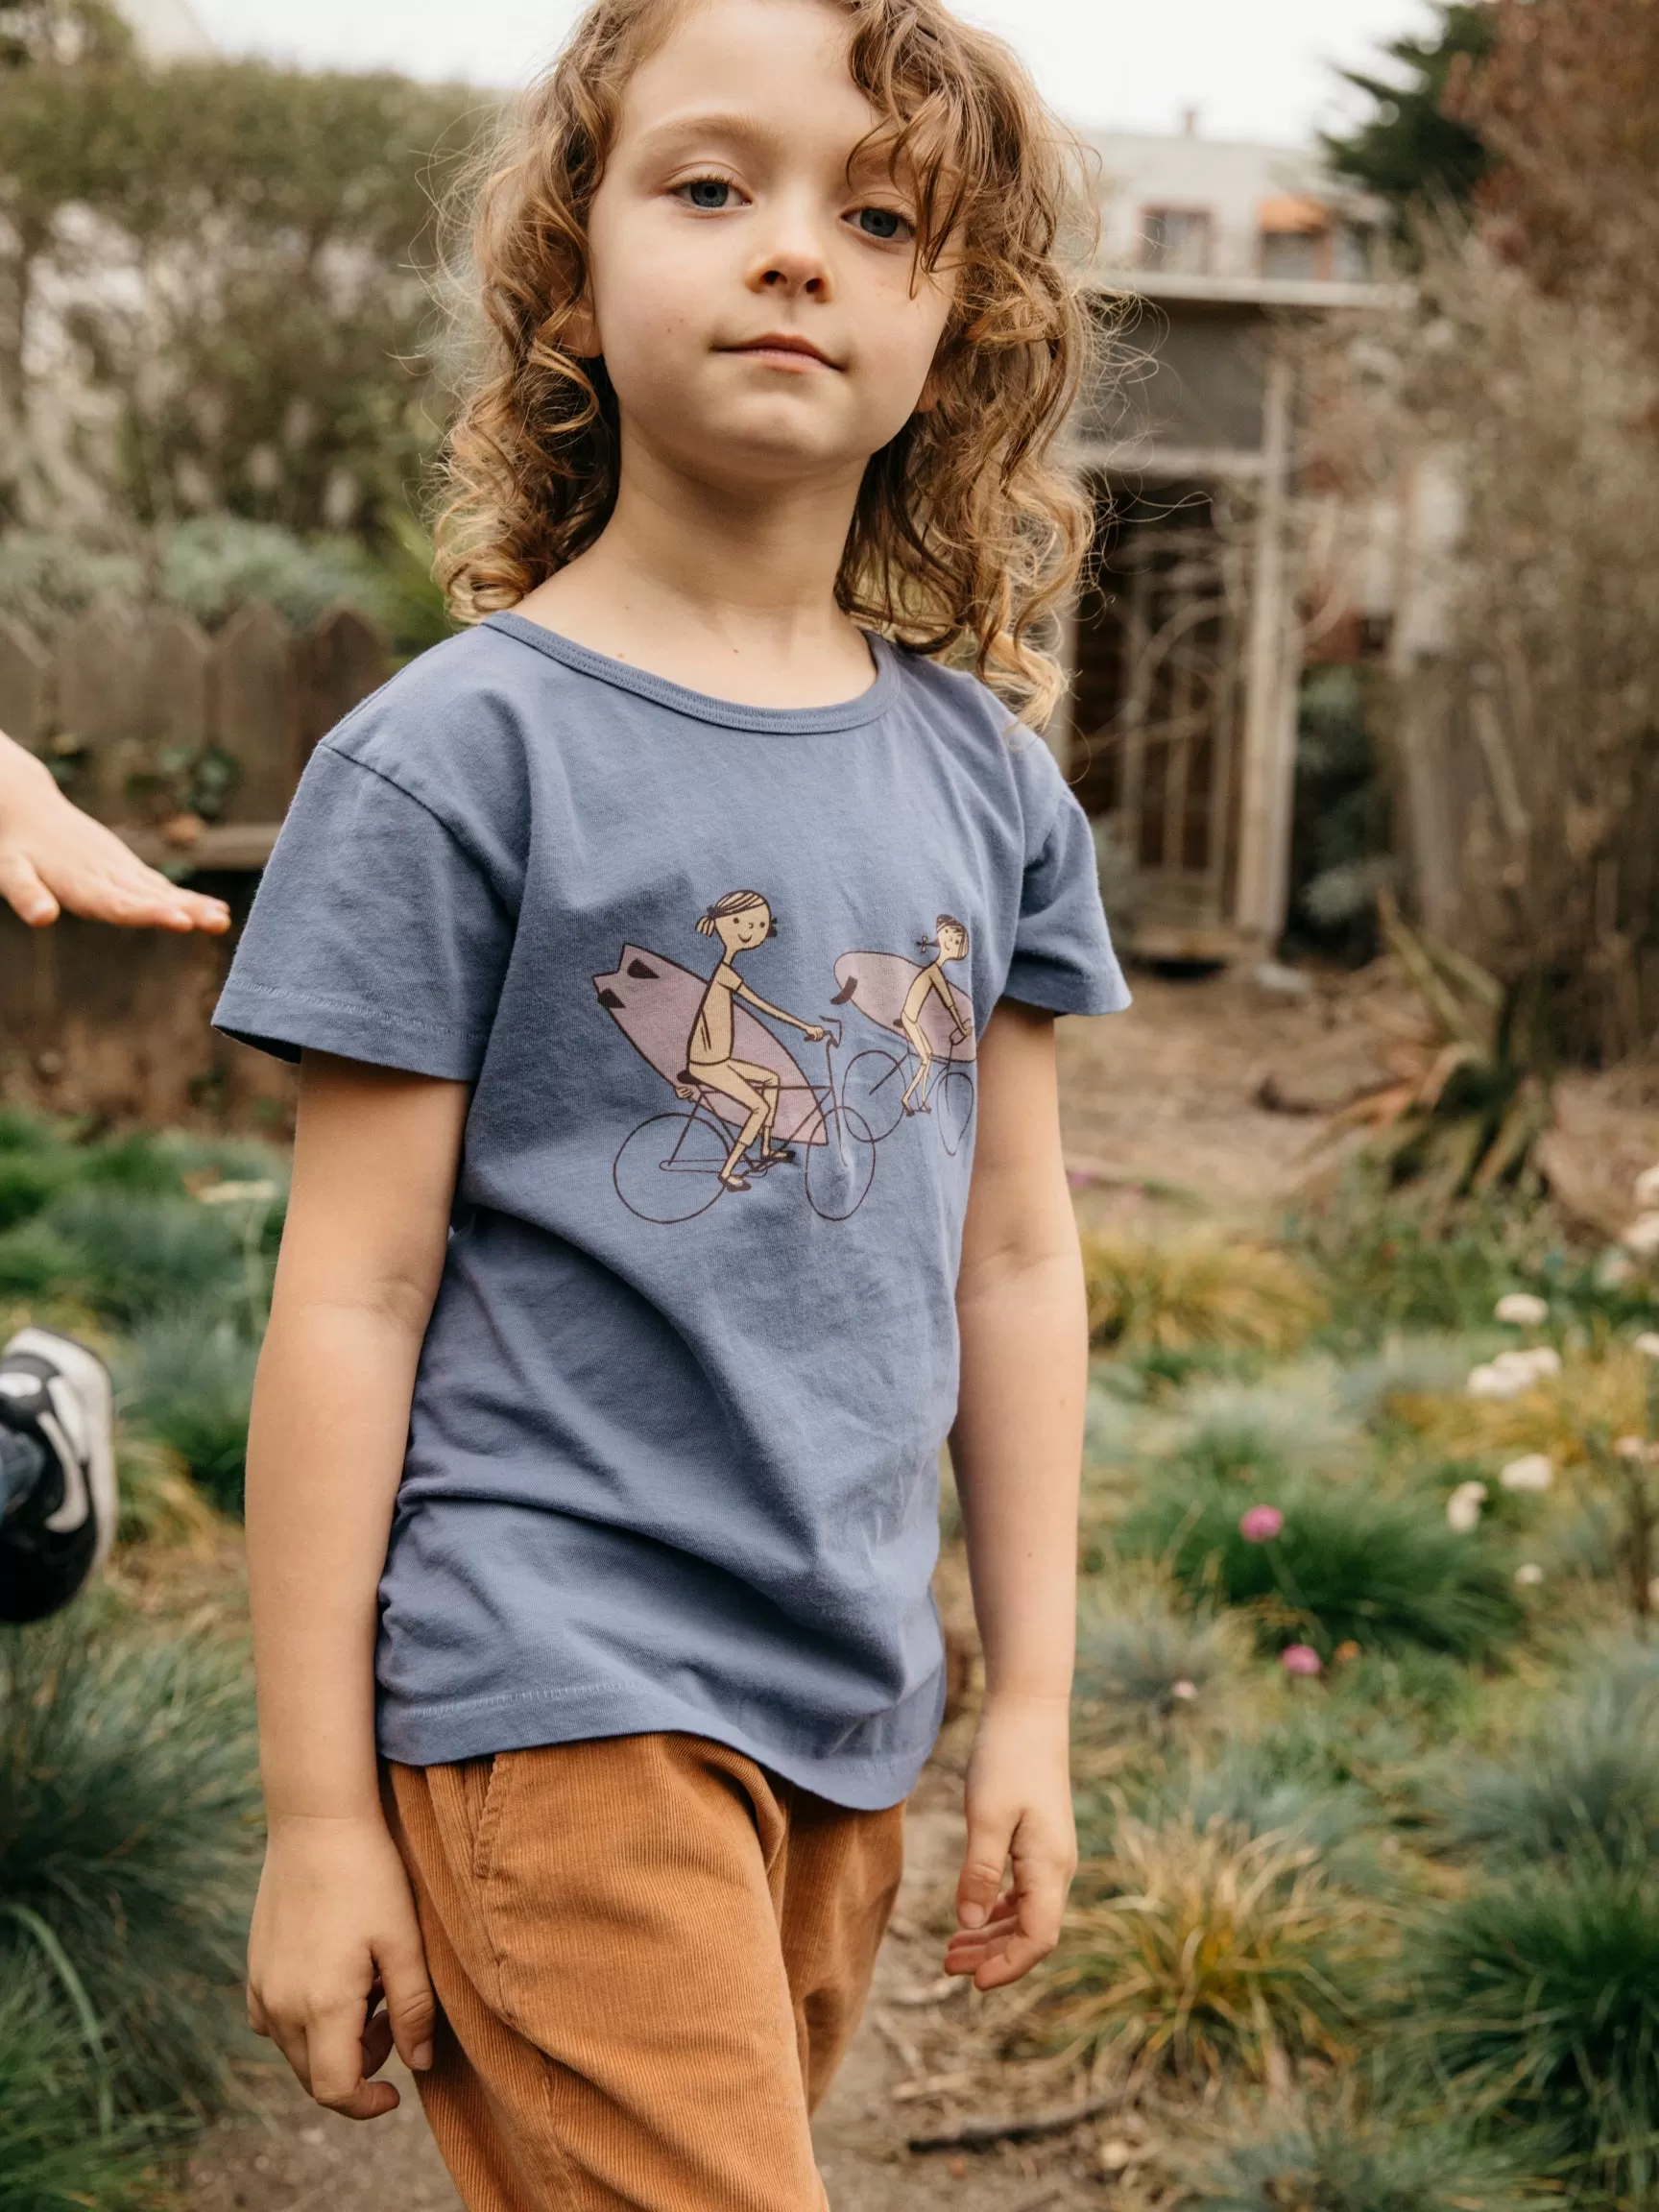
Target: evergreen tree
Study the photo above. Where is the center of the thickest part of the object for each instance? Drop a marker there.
(1412, 149)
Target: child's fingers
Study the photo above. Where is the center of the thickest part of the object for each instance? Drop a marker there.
(24, 893)
(334, 2066)
(980, 1884)
(410, 2004)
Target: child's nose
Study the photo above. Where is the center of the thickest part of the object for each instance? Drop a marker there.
(793, 259)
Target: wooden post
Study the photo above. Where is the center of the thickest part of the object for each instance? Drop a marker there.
(1268, 775)
(25, 686)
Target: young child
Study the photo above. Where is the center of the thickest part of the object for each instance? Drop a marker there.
(611, 1524)
(57, 1498)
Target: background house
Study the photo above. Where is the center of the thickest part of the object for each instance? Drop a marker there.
(1187, 647)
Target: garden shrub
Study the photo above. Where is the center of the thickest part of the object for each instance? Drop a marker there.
(190, 1387)
(1143, 1663)
(1349, 2160)
(1541, 1996)
(1194, 1952)
(128, 1802)
(131, 1256)
(1182, 1294)
(1584, 1785)
(1352, 1565)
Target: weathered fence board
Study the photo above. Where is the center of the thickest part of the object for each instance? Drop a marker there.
(257, 698)
(128, 696)
(25, 686)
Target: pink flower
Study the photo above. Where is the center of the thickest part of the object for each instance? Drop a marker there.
(1261, 1524)
(1301, 1659)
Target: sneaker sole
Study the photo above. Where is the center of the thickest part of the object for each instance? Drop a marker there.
(89, 1375)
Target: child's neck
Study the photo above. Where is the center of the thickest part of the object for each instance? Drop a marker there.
(728, 590)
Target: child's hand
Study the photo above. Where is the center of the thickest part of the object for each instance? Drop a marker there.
(334, 1931)
(54, 856)
(1019, 1807)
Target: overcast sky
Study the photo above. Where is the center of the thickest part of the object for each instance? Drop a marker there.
(1252, 68)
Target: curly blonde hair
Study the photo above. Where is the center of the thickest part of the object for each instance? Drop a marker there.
(968, 535)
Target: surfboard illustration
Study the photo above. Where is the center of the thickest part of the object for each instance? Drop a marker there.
(878, 983)
(654, 1002)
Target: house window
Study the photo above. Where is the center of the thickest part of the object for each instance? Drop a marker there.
(1296, 229)
(1295, 257)
(1176, 240)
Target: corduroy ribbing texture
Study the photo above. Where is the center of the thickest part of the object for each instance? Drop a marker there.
(649, 1954)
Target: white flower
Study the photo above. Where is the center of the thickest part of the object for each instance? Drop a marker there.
(1184, 1689)
(1535, 1472)
(1614, 1269)
(1463, 1507)
(1630, 1448)
(1647, 1344)
(1513, 1372)
(1648, 1189)
(1529, 1574)
(1643, 1234)
(1495, 1382)
(1522, 1310)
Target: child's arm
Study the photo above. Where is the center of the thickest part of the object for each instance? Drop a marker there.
(809, 1029)
(52, 855)
(1017, 1448)
(374, 1165)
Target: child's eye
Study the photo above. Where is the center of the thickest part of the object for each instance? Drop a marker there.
(710, 193)
(883, 223)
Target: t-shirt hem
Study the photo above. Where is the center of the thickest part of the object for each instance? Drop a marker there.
(1062, 995)
(283, 1025)
(440, 1735)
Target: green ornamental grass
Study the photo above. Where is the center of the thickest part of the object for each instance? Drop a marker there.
(128, 1824)
(59, 2152)
(1347, 2160)
(188, 1384)
(1540, 1995)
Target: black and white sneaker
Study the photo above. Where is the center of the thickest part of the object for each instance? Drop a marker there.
(57, 1532)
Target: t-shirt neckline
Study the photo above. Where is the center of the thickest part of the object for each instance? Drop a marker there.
(725, 714)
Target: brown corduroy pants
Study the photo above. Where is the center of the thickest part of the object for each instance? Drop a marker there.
(649, 1954)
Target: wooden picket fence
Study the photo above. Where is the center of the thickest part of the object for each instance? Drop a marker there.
(118, 692)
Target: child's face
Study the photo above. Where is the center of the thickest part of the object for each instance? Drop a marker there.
(726, 218)
(739, 931)
(952, 941)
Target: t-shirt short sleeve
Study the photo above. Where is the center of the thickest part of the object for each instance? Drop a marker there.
(376, 934)
(1063, 954)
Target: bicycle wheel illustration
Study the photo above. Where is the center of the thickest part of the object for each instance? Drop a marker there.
(953, 1107)
(668, 1169)
(839, 1170)
(875, 1091)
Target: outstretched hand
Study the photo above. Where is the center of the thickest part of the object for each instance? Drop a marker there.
(1022, 1843)
(53, 858)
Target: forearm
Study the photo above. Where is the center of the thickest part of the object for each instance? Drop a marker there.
(1017, 1448)
(326, 1454)
(374, 1163)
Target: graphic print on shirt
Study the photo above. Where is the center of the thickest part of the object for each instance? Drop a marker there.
(746, 1105)
(935, 1017)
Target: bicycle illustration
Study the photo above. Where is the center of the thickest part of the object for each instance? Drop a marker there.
(671, 1168)
(746, 1107)
(878, 1082)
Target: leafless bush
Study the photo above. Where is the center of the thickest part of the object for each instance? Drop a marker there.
(1521, 435)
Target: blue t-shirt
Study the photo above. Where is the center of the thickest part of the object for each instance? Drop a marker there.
(716, 975)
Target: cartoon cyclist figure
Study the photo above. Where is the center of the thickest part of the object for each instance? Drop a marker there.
(949, 943)
(742, 920)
